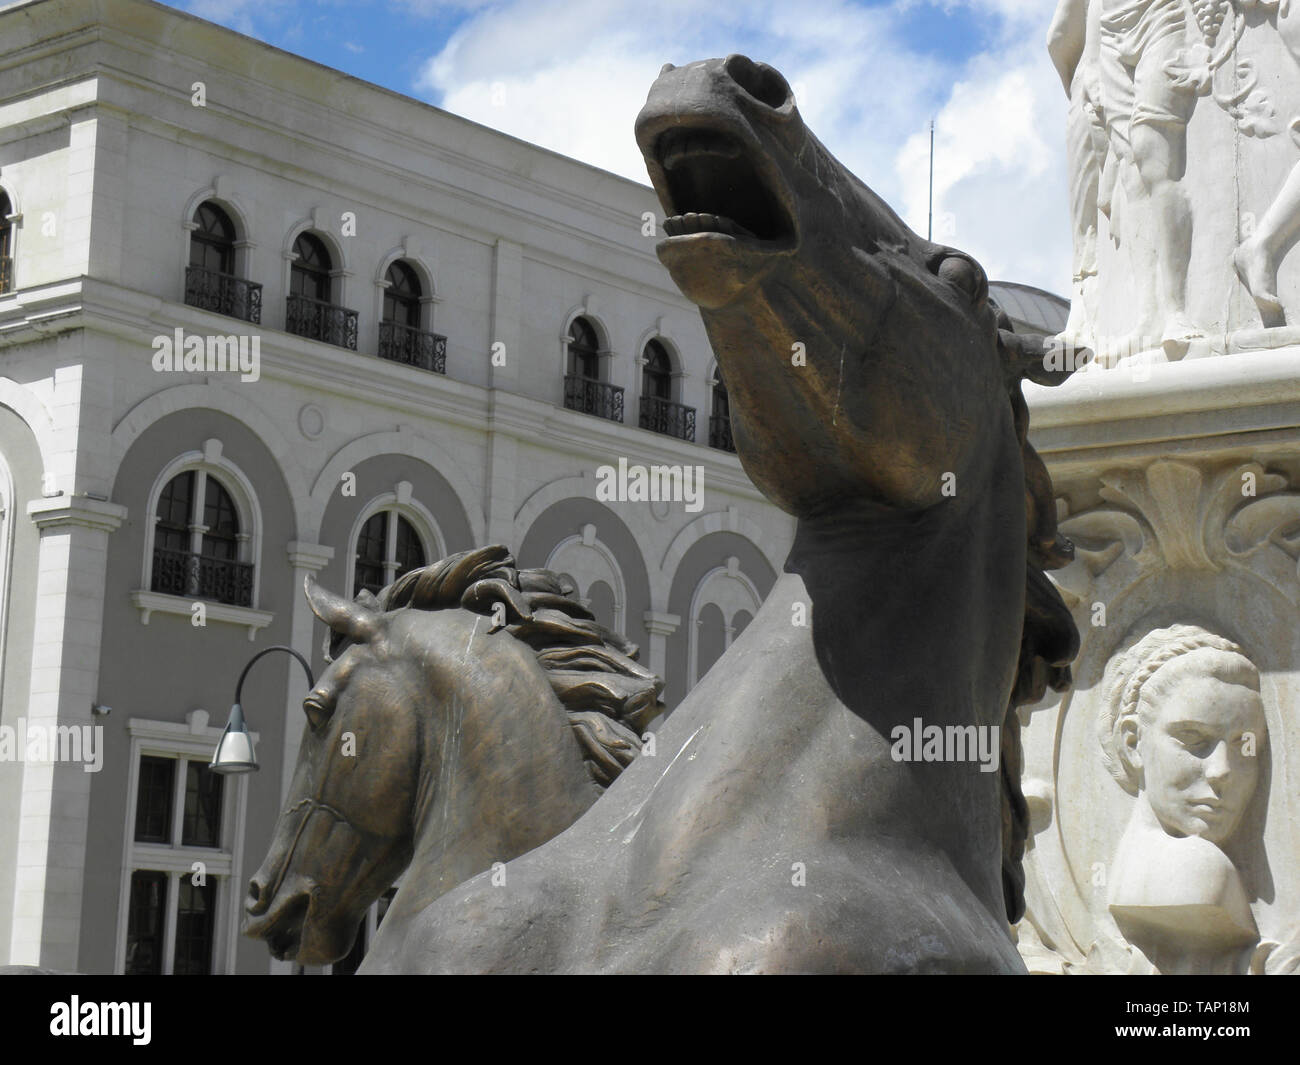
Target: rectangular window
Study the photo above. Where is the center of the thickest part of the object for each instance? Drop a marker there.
(179, 909)
(201, 826)
(153, 808)
(194, 928)
(144, 936)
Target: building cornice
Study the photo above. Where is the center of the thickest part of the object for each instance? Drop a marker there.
(1115, 410)
(313, 557)
(102, 307)
(57, 512)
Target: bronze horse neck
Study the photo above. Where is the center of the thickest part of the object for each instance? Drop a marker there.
(496, 777)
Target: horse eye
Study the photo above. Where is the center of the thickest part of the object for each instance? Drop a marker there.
(959, 271)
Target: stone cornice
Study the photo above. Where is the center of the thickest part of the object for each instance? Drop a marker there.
(55, 512)
(1104, 409)
(308, 556)
(661, 624)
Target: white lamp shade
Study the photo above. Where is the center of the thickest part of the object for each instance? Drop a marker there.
(234, 753)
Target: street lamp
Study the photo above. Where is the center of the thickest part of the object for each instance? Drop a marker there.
(234, 753)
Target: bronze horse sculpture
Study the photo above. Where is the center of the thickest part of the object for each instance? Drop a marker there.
(874, 397)
(485, 711)
(775, 830)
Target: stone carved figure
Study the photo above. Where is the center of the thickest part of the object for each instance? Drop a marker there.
(1074, 43)
(1167, 246)
(488, 711)
(1183, 730)
(1149, 95)
(1259, 255)
(774, 830)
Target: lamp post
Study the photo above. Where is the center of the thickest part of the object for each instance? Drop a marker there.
(234, 753)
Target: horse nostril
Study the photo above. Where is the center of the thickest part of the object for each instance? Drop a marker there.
(253, 903)
(760, 81)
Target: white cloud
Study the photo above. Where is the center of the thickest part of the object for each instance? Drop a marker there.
(572, 74)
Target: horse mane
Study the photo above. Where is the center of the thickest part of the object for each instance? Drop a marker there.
(609, 697)
(1049, 639)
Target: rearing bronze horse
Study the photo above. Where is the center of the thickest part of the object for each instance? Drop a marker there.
(873, 396)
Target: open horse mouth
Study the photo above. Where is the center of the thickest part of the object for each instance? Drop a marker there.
(282, 927)
(715, 186)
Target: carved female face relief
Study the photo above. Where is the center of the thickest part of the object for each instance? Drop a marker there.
(1184, 729)
(1196, 748)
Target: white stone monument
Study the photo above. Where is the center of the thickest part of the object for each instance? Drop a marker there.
(1164, 788)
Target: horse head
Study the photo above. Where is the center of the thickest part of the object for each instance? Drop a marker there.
(871, 380)
(879, 348)
(470, 712)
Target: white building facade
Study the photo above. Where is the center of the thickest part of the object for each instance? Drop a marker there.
(446, 333)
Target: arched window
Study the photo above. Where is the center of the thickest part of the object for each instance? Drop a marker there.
(584, 350)
(400, 337)
(310, 274)
(387, 547)
(198, 542)
(711, 637)
(595, 574)
(720, 416)
(211, 280)
(657, 376)
(583, 389)
(659, 413)
(723, 605)
(6, 244)
(212, 242)
(310, 311)
(402, 296)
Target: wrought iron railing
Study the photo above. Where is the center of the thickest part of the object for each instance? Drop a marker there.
(318, 320)
(415, 347)
(200, 577)
(720, 433)
(225, 294)
(6, 273)
(593, 397)
(665, 416)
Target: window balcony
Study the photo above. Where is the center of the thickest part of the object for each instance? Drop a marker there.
(194, 576)
(720, 433)
(211, 290)
(593, 397)
(665, 416)
(414, 347)
(6, 273)
(317, 320)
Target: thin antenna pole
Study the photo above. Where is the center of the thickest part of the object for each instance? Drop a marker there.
(930, 227)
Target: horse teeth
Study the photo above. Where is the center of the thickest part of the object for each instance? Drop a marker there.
(703, 222)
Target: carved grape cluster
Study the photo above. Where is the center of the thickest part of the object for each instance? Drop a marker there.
(1209, 17)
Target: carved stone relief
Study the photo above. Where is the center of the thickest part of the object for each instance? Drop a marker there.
(1164, 789)
(1184, 145)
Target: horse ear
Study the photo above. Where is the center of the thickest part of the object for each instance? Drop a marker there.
(345, 617)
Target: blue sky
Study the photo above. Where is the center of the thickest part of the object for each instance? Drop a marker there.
(869, 74)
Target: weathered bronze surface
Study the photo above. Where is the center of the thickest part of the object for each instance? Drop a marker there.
(874, 397)
(471, 712)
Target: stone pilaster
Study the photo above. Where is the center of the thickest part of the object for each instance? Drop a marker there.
(660, 627)
(54, 814)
